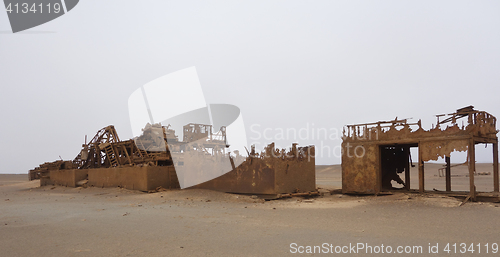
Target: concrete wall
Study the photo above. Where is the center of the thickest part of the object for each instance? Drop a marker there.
(64, 177)
(136, 178)
(165, 177)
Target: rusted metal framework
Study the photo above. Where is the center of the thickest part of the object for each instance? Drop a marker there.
(201, 137)
(274, 171)
(148, 161)
(42, 170)
(105, 150)
(374, 152)
(193, 132)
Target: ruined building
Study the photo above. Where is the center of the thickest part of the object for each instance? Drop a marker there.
(374, 153)
(146, 163)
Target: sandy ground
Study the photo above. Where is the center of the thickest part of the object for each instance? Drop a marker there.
(60, 221)
(331, 176)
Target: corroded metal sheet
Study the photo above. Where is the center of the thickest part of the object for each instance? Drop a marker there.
(432, 150)
(478, 124)
(273, 171)
(359, 172)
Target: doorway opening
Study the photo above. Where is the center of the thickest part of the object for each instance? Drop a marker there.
(395, 164)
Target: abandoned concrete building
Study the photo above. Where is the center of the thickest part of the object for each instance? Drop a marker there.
(146, 163)
(374, 153)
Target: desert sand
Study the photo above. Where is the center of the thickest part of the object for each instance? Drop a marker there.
(61, 221)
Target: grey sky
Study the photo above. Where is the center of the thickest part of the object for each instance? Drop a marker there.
(285, 64)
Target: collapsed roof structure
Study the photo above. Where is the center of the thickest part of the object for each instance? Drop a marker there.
(145, 163)
(373, 153)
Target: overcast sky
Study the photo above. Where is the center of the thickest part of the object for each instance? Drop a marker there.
(286, 64)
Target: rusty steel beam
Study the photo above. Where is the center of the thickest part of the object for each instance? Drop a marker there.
(407, 169)
(298, 194)
(448, 174)
(495, 167)
(421, 182)
(472, 169)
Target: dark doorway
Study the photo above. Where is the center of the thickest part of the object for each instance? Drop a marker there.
(395, 160)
